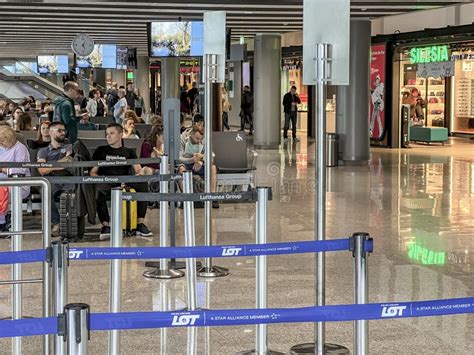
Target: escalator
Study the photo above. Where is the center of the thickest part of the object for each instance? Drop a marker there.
(17, 86)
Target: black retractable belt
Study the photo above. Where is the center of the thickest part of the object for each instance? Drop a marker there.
(80, 164)
(238, 197)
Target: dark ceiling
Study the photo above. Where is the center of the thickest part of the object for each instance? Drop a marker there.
(31, 27)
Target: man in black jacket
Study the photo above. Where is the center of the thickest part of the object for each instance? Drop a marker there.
(290, 102)
(246, 109)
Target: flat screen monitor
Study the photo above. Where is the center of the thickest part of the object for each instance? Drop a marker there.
(122, 53)
(93, 60)
(176, 39)
(53, 64)
(109, 56)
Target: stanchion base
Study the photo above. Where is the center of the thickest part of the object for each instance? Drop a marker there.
(214, 271)
(268, 352)
(163, 274)
(177, 264)
(308, 348)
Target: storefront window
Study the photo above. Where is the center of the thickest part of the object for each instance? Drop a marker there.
(463, 98)
(425, 94)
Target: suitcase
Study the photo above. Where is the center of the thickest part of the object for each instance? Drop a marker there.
(71, 227)
(129, 214)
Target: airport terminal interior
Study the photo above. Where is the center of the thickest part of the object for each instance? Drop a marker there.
(398, 165)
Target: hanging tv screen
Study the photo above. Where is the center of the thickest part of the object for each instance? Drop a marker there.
(109, 56)
(53, 64)
(122, 53)
(176, 39)
(93, 60)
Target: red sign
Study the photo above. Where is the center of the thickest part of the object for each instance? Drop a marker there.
(377, 92)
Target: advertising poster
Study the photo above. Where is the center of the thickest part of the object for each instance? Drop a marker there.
(377, 92)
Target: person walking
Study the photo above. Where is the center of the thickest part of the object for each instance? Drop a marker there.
(226, 107)
(290, 106)
(246, 109)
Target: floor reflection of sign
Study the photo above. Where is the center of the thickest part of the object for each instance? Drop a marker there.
(405, 126)
(377, 92)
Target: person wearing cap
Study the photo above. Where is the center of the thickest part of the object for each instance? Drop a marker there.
(64, 109)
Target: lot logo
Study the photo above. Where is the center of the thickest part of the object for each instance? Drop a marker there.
(393, 311)
(231, 251)
(189, 319)
(75, 254)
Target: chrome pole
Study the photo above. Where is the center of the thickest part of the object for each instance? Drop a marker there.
(77, 328)
(46, 227)
(164, 271)
(17, 241)
(361, 327)
(320, 218)
(261, 270)
(115, 289)
(164, 295)
(208, 269)
(190, 241)
(60, 262)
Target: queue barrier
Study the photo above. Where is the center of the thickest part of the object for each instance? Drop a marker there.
(237, 317)
(224, 251)
(80, 164)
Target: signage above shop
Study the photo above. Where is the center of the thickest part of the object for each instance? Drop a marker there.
(435, 70)
(462, 56)
(432, 54)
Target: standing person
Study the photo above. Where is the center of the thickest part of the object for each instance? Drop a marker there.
(131, 96)
(64, 110)
(120, 107)
(58, 151)
(246, 109)
(112, 96)
(116, 151)
(290, 105)
(97, 107)
(193, 94)
(226, 108)
(183, 99)
(139, 103)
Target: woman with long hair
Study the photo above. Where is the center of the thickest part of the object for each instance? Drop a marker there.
(43, 139)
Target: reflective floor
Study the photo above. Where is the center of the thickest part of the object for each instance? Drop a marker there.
(418, 204)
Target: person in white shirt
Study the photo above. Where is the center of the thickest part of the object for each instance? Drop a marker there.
(96, 106)
(226, 107)
(120, 107)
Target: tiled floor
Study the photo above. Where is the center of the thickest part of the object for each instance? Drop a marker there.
(418, 204)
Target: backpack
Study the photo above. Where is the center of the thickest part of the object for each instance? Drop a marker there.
(112, 98)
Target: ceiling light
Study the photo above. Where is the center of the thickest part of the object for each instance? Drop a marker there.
(363, 9)
(248, 12)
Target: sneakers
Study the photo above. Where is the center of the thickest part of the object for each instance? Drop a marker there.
(55, 230)
(104, 233)
(143, 231)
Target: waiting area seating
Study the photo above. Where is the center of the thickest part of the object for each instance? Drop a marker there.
(428, 134)
(235, 161)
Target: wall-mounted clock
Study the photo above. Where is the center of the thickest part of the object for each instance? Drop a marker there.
(82, 45)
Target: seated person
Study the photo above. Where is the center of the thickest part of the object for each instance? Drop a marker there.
(132, 114)
(113, 151)
(153, 147)
(191, 154)
(43, 139)
(129, 128)
(11, 151)
(56, 151)
(85, 124)
(197, 122)
(24, 122)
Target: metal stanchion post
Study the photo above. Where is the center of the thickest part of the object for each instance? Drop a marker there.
(190, 241)
(46, 227)
(164, 295)
(59, 260)
(323, 73)
(164, 271)
(115, 289)
(77, 328)
(261, 338)
(208, 269)
(17, 239)
(361, 283)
